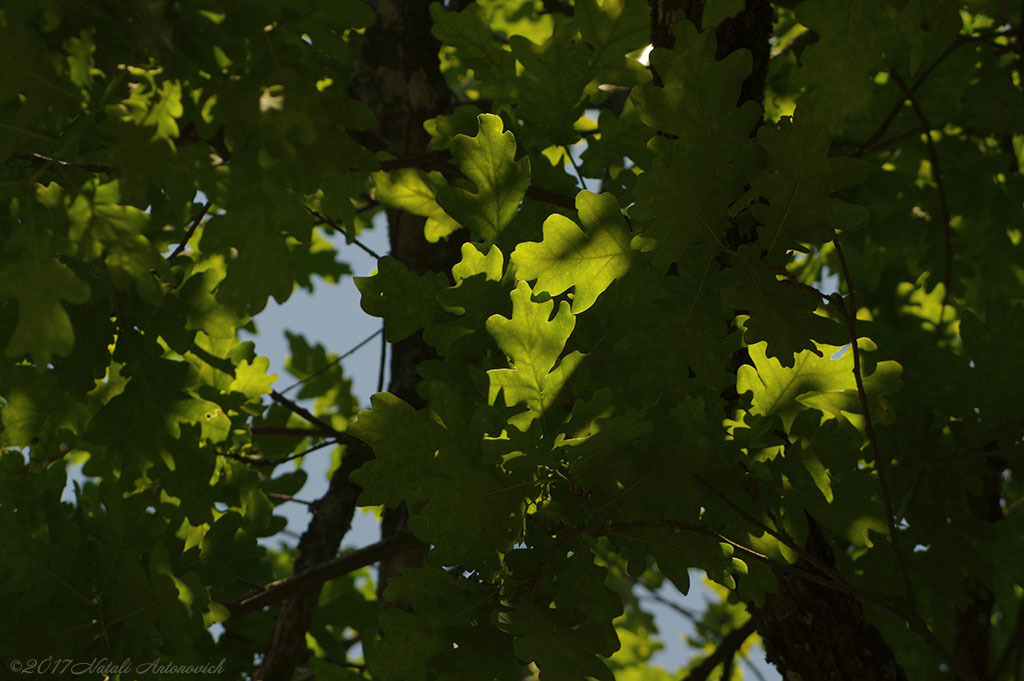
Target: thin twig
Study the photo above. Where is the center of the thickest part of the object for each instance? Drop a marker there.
(1014, 643)
(334, 224)
(752, 668)
(947, 228)
(287, 431)
(43, 160)
(920, 627)
(850, 316)
(383, 358)
(572, 161)
(287, 497)
(276, 462)
(1013, 508)
(882, 144)
(779, 535)
(327, 430)
(330, 364)
(869, 143)
(191, 230)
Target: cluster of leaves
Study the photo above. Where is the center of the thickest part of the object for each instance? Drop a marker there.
(640, 380)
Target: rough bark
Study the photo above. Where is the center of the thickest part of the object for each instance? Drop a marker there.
(399, 78)
(332, 517)
(810, 633)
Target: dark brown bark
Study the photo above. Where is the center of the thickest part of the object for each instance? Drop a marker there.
(814, 633)
(809, 632)
(399, 78)
(332, 517)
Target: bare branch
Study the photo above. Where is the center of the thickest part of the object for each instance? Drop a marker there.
(336, 225)
(332, 362)
(191, 230)
(725, 652)
(301, 582)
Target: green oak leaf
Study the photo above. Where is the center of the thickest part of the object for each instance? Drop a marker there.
(783, 313)
(587, 259)
(488, 160)
(414, 191)
(798, 184)
(564, 629)
(468, 32)
(404, 442)
(251, 378)
(698, 99)
(262, 265)
(613, 28)
(684, 197)
(39, 285)
(850, 33)
(406, 302)
(102, 227)
(551, 86)
(478, 291)
(816, 381)
(532, 341)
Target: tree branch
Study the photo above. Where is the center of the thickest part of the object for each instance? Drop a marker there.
(290, 432)
(337, 360)
(782, 537)
(314, 577)
(725, 651)
(332, 518)
(870, 142)
(850, 316)
(191, 230)
(334, 224)
(276, 462)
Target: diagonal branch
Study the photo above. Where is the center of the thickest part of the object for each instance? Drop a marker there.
(725, 652)
(330, 364)
(191, 230)
(332, 518)
(780, 536)
(335, 225)
(315, 576)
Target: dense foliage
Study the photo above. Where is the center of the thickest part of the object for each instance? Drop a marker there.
(654, 379)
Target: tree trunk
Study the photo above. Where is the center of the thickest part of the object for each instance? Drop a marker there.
(399, 78)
